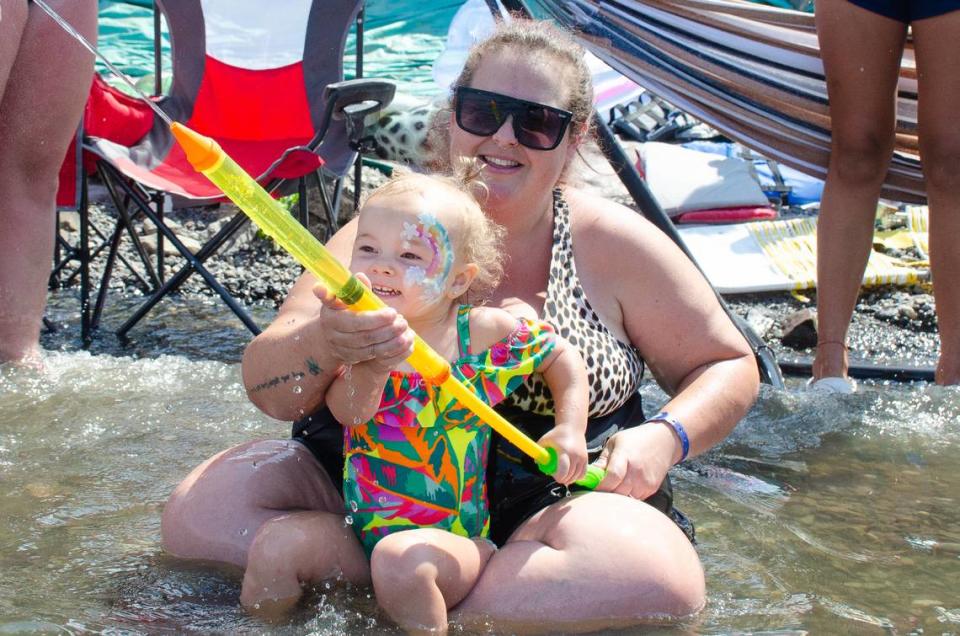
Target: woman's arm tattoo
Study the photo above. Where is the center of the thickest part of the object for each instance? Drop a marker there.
(313, 368)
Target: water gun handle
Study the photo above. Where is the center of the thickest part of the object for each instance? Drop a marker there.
(590, 480)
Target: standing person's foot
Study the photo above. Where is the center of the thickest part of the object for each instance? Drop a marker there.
(32, 359)
(830, 368)
(833, 384)
(945, 377)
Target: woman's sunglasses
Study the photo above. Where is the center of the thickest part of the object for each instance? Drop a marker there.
(534, 125)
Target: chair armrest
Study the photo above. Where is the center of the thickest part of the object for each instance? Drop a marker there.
(358, 97)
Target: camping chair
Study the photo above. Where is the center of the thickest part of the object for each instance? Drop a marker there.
(265, 81)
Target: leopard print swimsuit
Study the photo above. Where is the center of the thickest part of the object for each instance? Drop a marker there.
(614, 368)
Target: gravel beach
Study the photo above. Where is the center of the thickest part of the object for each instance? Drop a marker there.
(892, 326)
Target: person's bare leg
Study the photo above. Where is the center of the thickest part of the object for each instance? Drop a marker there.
(418, 575)
(861, 55)
(42, 102)
(937, 45)
(298, 549)
(218, 509)
(592, 562)
(13, 18)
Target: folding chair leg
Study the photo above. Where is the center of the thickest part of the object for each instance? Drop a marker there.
(329, 207)
(158, 201)
(195, 264)
(302, 202)
(86, 329)
(111, 179)
(105, 277)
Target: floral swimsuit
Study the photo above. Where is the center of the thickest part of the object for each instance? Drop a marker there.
(420, 461)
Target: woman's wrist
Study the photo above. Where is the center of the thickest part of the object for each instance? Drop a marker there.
(679, 432)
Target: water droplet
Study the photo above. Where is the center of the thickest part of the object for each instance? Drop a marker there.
(296, 338)
(256, 606)
(382, 500)
(356, 421)
(327, 585)
(348, 520)
(254, 464)
(243, 532)
(298, 389)
(353, 506)
(302, 411)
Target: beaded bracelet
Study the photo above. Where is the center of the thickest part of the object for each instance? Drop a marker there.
(677, 427)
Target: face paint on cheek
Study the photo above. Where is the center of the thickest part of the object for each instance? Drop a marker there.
(415, 276)
(433, 279)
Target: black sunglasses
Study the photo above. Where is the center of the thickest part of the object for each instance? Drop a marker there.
(535, 125)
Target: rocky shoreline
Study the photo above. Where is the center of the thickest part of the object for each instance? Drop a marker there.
(892, 326)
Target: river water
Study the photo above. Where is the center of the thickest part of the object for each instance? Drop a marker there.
(818, 515)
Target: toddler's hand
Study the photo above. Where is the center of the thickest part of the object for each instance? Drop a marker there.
(380, 337)
(571, 448)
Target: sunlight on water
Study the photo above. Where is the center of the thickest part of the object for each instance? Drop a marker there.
(830, 513)
(819, 514)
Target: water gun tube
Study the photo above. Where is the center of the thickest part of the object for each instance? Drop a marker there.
(207, 157)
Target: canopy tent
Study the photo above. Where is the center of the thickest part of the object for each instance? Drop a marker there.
(751, 71)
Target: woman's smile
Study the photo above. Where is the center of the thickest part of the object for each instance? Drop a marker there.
(499, 163)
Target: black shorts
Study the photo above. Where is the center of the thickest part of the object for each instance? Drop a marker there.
(907, 11)
(516, 489)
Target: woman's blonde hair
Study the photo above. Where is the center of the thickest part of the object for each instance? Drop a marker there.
(531, 39)
(476, 238)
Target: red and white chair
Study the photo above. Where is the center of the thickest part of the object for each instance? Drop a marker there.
(265, 80)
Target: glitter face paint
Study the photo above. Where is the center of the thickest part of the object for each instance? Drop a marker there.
(433, 279)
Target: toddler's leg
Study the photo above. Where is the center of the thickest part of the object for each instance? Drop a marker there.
(297, 549)
(419, 574)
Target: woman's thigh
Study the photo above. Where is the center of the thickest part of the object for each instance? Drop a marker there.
(861, 52)
(13, 17)
(937, 47)
(592, 561)
(218, 508)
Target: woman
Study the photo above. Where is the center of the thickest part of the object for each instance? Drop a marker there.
(44, 79)
(607, 280)
(861, 43)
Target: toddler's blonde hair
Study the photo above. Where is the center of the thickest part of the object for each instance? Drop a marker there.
(476, 239)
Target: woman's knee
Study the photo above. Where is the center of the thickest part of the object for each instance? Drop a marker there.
(940, 158)
(217, 509)
(861, 157)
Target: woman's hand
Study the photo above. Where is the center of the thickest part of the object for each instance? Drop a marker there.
(380, 337)
(571, 450)
(637, 460)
